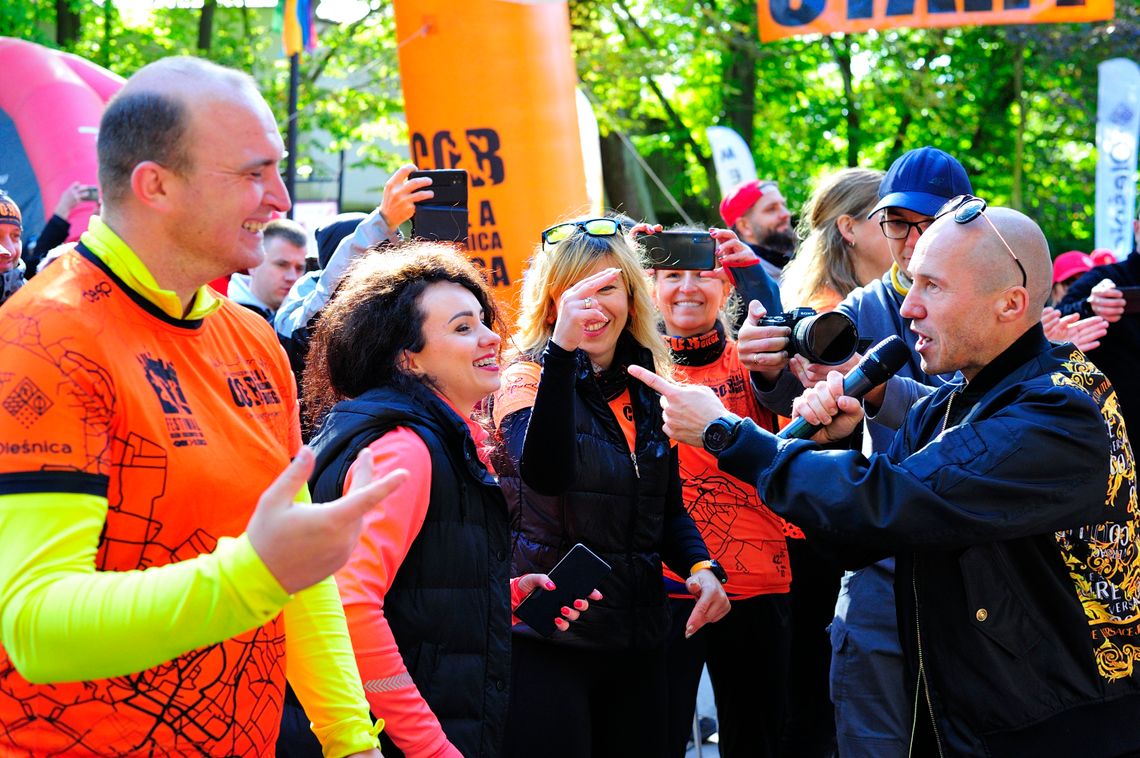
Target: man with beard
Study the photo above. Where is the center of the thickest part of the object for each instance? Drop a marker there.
(758, 214)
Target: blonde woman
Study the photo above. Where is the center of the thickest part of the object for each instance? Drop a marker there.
(583, 458)
(842, 249)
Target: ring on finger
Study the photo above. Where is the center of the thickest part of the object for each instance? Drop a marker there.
(588, 302)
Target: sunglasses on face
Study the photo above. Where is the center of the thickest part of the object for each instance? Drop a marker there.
(595, 227)
(966, 208)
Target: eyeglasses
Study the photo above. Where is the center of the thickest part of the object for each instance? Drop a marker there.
(595, 227)
(899, 229)
(966, 208)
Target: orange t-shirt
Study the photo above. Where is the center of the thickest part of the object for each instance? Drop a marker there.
(740, 532)
(103, 394)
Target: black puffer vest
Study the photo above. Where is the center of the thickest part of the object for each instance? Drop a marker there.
(449, 604)
(615, 507)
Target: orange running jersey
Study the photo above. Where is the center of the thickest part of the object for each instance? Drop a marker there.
(740, 532)
(182, 425)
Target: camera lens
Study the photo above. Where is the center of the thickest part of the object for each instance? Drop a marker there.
(827, 338)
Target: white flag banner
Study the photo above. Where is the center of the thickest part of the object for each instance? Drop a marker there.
(1117, 129)
(731, 156)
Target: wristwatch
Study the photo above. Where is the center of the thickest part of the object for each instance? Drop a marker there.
(713, 566)
(720, 433)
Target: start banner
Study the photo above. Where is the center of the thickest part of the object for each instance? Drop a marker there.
(794, 18)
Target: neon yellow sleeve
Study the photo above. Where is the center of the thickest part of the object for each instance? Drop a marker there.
(61, 620)
(321, 666)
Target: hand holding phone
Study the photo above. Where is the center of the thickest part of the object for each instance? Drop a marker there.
(443, 217)
(89, 193)
(575, 576)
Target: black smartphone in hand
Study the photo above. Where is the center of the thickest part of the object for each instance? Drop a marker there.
(444, 217)
(1131, 299)
(687, 251)
(575, 576)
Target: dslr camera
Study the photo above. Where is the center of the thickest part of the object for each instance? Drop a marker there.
(825, 338)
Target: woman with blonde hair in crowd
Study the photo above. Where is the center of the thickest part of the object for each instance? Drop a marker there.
(842, 249)
(583, 458)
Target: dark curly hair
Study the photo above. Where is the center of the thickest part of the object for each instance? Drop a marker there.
(375, 316)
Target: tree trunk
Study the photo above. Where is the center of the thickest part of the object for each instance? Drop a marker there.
(740, 78)
(1015, 199)
(842, 57)
(206, 25)
(66, 23)
(626, 189)
(108, 20)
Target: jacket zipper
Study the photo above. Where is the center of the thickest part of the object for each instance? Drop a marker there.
(636, 471)
(923, 682)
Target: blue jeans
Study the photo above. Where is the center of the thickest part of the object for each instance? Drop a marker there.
(872, 710)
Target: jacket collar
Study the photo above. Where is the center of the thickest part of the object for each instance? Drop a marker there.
(1024, 349)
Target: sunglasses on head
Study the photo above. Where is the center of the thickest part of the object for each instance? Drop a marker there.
(966, 208)
(595, 227)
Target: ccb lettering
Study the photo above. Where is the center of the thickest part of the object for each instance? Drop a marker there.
(479, 154)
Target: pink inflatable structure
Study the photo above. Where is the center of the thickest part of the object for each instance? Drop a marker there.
(50, 106)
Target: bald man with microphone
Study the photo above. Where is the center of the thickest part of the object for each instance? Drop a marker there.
(1008, 498)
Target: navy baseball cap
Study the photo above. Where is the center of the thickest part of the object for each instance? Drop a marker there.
(921, 181)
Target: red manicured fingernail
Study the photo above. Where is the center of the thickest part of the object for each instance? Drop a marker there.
(549, 585)
(580, 604)
(565, 611)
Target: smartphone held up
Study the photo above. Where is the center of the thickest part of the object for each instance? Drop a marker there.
(688, 251)
(443, 218)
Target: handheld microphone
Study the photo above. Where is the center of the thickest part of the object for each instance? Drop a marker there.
(877, 366)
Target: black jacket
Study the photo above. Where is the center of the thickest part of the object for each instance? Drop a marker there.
(1120, 347)
(569, 477)
(1015, 529)
(449, 604)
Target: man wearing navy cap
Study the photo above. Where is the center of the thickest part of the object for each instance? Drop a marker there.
(871, 708)
(759, 215)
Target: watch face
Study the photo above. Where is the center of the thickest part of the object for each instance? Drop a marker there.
(716, 436)
(718, 571)
(719, 434)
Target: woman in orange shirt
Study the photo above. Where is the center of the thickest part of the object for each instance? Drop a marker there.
(747, 651)
(400, 359)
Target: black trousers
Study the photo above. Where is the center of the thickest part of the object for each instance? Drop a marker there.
(573, 703)
(810, 729)
(747, 655)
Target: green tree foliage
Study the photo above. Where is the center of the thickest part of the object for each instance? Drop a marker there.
(349, 93)
(1017, 104)
(809, 106)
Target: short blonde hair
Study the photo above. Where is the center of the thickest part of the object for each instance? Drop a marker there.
(553, 271)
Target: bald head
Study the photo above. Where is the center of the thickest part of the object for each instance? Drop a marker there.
(967, 303)
(151, 116)
(976, 248)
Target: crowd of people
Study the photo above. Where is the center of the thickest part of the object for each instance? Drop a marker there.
(213, 545)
